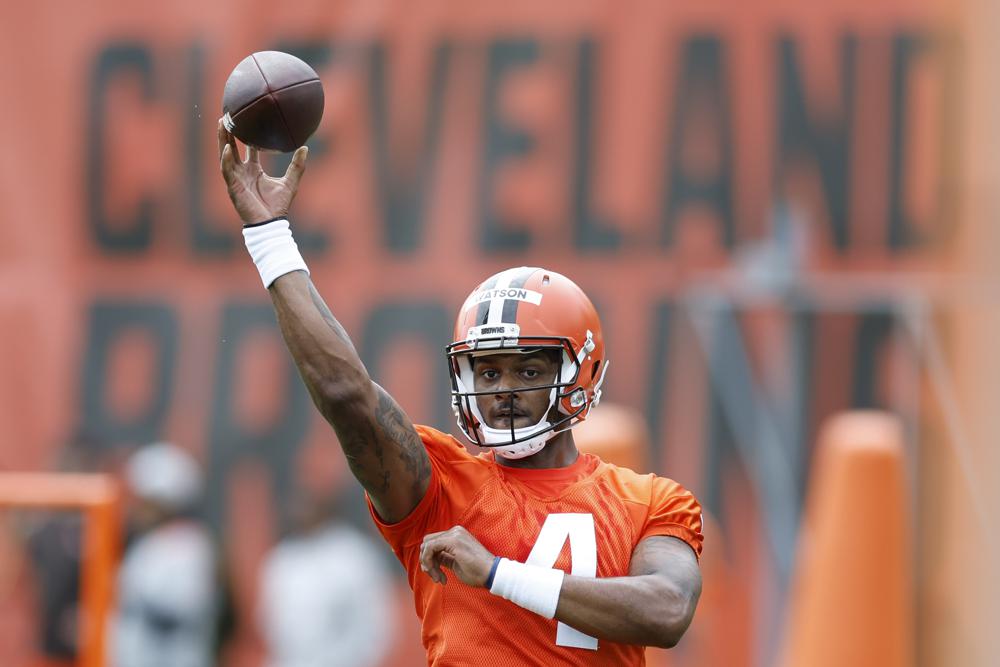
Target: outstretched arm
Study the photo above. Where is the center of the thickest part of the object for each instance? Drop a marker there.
(382, 448)
(652, 606)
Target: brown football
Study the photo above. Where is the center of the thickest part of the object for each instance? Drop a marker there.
(273, 101)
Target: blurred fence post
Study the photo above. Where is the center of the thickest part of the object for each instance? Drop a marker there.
(99, 498)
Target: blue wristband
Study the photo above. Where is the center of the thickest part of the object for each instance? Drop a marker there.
(493, 573)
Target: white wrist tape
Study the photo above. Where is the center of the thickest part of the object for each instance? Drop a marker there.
(273, 250)
(529, 586)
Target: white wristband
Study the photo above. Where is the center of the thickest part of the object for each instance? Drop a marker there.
(273, 250)
(529, 586)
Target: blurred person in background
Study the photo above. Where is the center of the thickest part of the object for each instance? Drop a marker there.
(526, 366)
(326, 595)
(168, 586)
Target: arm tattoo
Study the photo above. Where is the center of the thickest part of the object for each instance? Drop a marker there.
(357, 443)
(397, 427)
(364, 447)
(364, 440)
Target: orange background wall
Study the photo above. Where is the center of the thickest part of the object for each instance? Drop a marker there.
(642, 148)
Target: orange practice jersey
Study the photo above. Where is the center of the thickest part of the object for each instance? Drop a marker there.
(593, 512)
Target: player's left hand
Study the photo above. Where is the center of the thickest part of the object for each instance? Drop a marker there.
(457, 550)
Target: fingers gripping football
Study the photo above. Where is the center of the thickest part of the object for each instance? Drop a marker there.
(460, 552)
(256, 195)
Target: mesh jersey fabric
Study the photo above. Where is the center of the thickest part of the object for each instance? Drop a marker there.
(505, 508)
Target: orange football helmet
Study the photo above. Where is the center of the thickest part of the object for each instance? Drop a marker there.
(527, 309)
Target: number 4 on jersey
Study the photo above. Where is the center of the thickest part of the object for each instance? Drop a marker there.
(579, 528)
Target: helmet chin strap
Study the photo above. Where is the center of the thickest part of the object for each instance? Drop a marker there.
(494, 437)
(522, 449)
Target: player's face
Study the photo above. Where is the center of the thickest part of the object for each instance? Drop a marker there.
(509, 373)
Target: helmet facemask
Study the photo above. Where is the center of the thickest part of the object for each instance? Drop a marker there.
(565, 394)
(521, 310)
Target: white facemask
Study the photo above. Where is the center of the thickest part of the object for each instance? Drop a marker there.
(495, 437)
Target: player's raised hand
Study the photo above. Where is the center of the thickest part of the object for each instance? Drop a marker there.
(255, 195)
(457, 550)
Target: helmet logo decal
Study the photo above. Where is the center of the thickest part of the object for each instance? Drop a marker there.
(502, 335)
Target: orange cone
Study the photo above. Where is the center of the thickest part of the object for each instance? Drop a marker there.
(617, 434)
(852, 595)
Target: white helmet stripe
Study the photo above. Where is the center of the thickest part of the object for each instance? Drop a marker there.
(483, 308)
(496, 304)
(510, 306)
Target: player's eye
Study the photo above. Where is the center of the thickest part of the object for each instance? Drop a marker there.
(489, 374)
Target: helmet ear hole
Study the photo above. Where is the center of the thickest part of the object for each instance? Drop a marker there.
(593, 371)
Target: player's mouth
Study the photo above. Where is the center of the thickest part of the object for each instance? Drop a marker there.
(503, 417)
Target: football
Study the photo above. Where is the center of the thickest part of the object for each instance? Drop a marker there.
(273, 101)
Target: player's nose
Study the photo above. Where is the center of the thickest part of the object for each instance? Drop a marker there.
(508, 384)
(505, 395)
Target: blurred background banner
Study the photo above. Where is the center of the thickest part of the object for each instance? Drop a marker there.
(781, 210)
